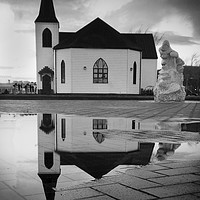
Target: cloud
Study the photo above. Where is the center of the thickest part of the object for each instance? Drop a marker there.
(17, 56)
(149, 13)
(25, 31)
(124, 15)
(189, 9)
(178, 39)
(17, 22)
(103, 8)
(6, 67)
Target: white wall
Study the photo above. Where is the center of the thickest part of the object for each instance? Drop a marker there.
(133, 56)
(79, 135)
(44, 55)
(149, 72)
(63, 54)
(46, 143)
(119, 62)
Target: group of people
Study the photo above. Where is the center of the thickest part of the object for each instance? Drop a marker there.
(25, 88)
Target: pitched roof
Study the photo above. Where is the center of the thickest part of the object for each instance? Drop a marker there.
(97, 34)
(47, 12)
(98, 164)
(145, 42)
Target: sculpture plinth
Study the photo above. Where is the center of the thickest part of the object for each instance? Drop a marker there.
(169, 86)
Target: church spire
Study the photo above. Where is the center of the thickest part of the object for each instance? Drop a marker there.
(47, 12)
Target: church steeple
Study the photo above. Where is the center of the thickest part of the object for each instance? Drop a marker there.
(47, 12)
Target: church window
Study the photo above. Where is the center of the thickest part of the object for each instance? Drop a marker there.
(134, 72)
(46, 38)
(99, 124)
(48, 159)
(63, 129)
(133, 124)
(63, 71)
(100, 71)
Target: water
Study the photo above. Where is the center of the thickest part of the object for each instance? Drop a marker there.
(39, 152)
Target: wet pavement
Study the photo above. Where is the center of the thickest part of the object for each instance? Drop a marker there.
(99, 150)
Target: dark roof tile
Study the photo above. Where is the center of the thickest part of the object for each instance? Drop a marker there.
(97, 34)
(145, 42)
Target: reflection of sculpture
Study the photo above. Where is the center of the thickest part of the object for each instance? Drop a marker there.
(165, 150)
(169, 86)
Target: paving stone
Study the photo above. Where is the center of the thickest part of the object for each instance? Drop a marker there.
(141, 110)
(79, 176)
(104, 197)
(26, 186)
(154, 167)
(197, 194)
(37, 197)
(143, 173)
(7, 170)
(176, 171)
(7, 194)
(133, 182)
(194, 163)
(79, 193)
(2, 186)
(96, 183)
(7, 177)
(80, 184)
(62, 179)
(173, 190)
(122, 192)
(182, 197)
(183, 178)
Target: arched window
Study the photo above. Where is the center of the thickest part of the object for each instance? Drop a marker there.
(100, 71)
(63, 129)
(99, 124)
(46, 38)
(134, 72)
(63, 71)
(48, 159)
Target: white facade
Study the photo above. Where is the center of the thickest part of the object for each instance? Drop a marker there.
(81, 50)
(45, 55)
(79, 135)
(46, 145)
(79, 71)
(148, 72)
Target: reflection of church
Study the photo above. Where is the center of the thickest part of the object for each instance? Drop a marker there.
(76, 140)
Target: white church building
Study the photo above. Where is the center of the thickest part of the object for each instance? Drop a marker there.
(95, 59)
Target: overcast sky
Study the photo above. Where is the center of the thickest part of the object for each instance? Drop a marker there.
(179, 20)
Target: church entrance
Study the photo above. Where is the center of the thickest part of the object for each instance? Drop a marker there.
(46, 84)
(46, 75)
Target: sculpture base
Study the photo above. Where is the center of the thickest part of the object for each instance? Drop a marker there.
(177, 96)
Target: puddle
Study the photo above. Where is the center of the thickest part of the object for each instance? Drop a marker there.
(39, 152)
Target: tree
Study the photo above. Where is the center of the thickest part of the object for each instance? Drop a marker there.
(195, 59)
(156, 35)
